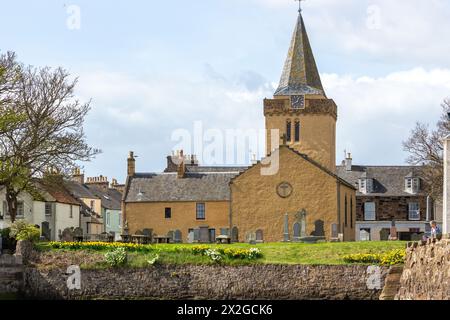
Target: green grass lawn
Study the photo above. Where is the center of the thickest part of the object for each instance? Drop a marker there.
(273, 253)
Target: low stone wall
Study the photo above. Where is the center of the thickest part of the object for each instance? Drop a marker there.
(426, 275)
(11, 274)
(208, 282)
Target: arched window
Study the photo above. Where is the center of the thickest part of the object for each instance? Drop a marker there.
(288, 131)
(297, 131)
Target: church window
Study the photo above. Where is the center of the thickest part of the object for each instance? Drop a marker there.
(201, 211)
(297, 131)
(288, 130)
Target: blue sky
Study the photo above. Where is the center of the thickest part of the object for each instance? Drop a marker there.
(152, 67)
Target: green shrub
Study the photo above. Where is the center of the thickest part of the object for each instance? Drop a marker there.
(389, 258)
(116, 258)
(21, 230)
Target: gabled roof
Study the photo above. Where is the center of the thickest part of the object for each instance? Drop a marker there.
(313, 162)
(387, 180)
(58, 192)
(152, 187)
(300, 74)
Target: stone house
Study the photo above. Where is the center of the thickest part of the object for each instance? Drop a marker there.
(51, 208)
(191, 204)
(101, 203)
(390, 196)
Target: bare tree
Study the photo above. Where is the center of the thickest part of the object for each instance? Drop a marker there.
(49, 137)
(426, 148)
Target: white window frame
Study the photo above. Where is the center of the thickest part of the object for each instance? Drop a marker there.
(48, 204)
(413, 211)
(373, 212)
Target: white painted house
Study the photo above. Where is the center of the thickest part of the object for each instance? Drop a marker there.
(53, 209)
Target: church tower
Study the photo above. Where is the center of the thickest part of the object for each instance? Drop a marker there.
(305, 117)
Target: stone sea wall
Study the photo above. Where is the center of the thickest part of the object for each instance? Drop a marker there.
(208, 282)
(426, 274)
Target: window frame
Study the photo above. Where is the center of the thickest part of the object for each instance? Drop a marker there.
(366, 211)
(288, 130)
(297, 131)
(168, 213)
(411, 217)
(202, 215)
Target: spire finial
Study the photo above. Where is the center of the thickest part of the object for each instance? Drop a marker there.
(300, 5)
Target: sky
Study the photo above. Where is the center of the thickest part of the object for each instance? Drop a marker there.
(153, 69)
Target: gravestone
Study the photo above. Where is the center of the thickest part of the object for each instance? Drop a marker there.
(191, 236)
(384, 234)
(297, 231)
(67, 235)
(319, 230)
(45, 231)
(251, 238)
(204, 234)
(334, 231)
(171, 236)
(235, 234)
(178, 237)
(196, 235)
(286, 228)
(259, 236)
(148, 233)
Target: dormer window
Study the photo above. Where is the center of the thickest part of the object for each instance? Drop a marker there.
(412, 184)
(365, 185)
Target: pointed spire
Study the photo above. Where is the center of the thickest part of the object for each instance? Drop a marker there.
(300, 75)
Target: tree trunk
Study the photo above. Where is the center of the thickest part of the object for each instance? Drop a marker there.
(11, 199)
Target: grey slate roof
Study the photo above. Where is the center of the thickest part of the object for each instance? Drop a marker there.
(212, 186)
(78, 190)
(300, 74)
(212, 169)
(388, 181)
(111, 199)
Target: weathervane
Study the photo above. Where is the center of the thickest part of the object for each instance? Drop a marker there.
(300, 5)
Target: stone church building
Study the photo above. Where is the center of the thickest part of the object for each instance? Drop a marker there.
(293, 194)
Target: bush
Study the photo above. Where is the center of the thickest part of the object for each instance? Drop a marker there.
(389, 258)
(116, 258)
(214, 255)
(21, 230)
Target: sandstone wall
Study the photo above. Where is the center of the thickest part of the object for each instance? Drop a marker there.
(426, 275)
(208, 282)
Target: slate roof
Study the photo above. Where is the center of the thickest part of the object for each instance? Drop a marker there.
(111, 199)
(300, 74)
(388, 181)
(79, 190)
(206, 186)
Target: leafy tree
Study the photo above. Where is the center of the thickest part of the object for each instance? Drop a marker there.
(42, 125)
(426, 148)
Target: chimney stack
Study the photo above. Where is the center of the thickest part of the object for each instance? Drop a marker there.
(131, 164)
(181, 166)
(101, 182)
(116, 186)
(77, 176)
(348, 162)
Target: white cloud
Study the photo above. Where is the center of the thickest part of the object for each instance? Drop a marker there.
(377, 114)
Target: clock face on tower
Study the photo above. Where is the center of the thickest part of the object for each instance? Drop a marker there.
(297, 102)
